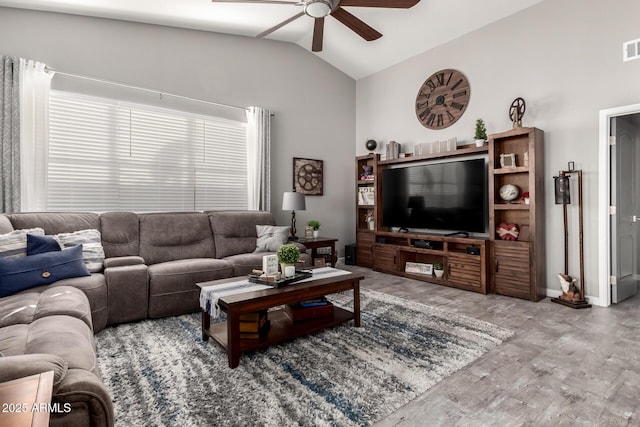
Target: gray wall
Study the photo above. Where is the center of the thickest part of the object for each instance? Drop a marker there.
(314, 103)
(564, 57)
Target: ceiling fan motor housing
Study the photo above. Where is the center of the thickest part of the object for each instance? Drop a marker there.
(318, 8)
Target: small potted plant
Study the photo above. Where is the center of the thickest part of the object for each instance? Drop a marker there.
(316, 227)
(288, 255)
(438, 269)
(481, 133)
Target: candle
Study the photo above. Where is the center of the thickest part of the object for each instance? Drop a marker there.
(289, 271)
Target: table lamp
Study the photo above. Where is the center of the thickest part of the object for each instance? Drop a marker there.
(292, 201)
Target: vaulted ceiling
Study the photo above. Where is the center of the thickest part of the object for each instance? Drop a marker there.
(406, 32)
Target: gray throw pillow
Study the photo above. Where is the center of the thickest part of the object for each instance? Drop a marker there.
(270, 237)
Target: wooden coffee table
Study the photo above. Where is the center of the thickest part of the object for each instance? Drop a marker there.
(282, 329)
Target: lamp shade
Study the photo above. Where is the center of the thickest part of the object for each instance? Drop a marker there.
(292, 201)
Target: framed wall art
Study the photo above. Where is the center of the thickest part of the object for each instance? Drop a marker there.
(308, 176)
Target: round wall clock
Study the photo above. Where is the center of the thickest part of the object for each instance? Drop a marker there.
(442, 99)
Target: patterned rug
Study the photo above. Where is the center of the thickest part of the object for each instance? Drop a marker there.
(160, 372)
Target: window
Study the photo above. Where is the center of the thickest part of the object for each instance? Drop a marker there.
(109, 156)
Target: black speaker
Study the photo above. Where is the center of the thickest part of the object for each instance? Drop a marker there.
(350, 254)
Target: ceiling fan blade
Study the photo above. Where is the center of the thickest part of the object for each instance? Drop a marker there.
(394, 4)
(280, 25)
(356, 25)
(294, 2)
(318, 31)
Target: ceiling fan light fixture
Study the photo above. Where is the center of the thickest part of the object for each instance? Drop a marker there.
(317, 8)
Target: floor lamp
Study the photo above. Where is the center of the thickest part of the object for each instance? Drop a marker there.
(571, 296)
(292, 201)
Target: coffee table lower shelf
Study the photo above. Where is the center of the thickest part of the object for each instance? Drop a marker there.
(282, 329)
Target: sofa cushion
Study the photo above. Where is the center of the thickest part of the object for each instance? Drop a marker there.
(26, 272)
(92, 252)
(235, 231)
(41, 244)
(172, 285)
(25, 307)
(5, 224)
(56, 222)
(14, 243)
(120, 234)
(270, 237)
(174, 236)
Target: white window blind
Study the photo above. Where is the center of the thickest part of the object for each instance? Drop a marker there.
(108, 156)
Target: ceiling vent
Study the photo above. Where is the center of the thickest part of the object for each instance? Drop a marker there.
(631, 50)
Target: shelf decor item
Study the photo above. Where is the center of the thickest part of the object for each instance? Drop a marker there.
(516, 111)
(481, 133)
(438, 269)
(509, 192)
(508, 160)
(371, 145)
(572, 297)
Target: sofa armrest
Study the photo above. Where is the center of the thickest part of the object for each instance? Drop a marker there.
(83, 400)
(303, 248)
(128, 292)
(24, 365)
(121, 261)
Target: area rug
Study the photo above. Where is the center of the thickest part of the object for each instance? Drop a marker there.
(161, 373)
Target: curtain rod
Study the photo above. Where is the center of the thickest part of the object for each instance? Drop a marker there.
(49, 69)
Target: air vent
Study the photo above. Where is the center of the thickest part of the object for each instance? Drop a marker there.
(631, 50)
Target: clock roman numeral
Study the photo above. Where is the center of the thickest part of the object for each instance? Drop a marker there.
(431, 84)
(424, 114)
(431, 119)
(456, 85)
(450, 116)
(440, 122)
(456, 105)
(440, 79)
(459, 94)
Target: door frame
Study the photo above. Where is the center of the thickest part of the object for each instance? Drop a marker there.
(604, 196)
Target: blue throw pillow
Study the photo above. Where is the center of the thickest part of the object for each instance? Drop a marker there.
(41, 244)
(17, 274)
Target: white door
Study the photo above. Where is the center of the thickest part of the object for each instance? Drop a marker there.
(625, 224)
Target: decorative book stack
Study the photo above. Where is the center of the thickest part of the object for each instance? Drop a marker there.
(253, 325)
(310, 309)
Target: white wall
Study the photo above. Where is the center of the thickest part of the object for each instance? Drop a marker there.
(564, 57)
(314, 103)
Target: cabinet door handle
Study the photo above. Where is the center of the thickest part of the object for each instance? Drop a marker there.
(496, 266)
(394, 260)
(448, 269)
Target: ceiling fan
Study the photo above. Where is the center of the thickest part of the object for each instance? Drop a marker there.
(319, 9)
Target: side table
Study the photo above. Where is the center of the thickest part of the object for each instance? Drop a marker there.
(25, 401)
(321, 242)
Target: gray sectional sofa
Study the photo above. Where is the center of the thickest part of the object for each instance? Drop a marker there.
(151, 267)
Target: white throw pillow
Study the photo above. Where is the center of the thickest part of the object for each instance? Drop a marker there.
(271, 237)
(14, 244)
(92, 251)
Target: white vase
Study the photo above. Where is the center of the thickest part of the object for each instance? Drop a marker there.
(316, 233)
(479, 142)
(371, 225)
(439, 273)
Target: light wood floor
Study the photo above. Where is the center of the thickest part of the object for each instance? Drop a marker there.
(562, 366)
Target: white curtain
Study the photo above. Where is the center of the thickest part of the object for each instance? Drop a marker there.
(35, 86)
(259, 158)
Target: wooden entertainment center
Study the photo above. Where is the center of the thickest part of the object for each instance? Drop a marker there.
(486, 265)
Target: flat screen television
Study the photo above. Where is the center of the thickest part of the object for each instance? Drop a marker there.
(450, 196)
